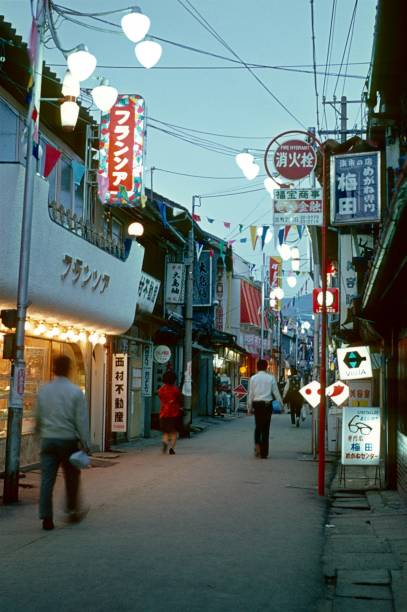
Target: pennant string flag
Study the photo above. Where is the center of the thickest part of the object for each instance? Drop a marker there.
(263, 235)
(78, 170)
(52, 155)
(253, 235)
(210, 220)
(199, 248)
(300, 230)
(103, 183)
(226, 224)
(196, 217)
(281, 236)
(163, 213)
(286, 230)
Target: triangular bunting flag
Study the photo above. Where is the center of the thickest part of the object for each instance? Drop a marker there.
(199, 248)
(281, 236)
(253, 236)
(196, 217)
(263, 235)
(240, 228)
(52, 155)
(230, 242)
(243, 240)
(286, 230)
(103, 184)
(210, 220)
(78, 170)
(226, 224)
(300, 230)
(163, 213)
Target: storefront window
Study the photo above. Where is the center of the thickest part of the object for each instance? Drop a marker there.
(8, 133)
(38, 357)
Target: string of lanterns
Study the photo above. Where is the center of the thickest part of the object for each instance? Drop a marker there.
(59, 332)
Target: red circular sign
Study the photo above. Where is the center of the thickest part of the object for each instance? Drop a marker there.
(294, 159)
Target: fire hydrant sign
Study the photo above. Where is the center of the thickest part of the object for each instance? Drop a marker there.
(360, 436)
(294, 159)
(354, 362)
(162, 353)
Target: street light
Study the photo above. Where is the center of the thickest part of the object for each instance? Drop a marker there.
(81, 63)
(104, 95)
(135, 229)
(148, 53)
(135, 25)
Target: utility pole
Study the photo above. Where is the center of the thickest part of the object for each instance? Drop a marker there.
(343, 104)
(17, 379)
(262, 307)
(189, 297)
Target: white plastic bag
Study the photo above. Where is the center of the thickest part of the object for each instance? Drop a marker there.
(80, 460)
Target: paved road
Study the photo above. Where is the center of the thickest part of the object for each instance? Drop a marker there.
(209, 529)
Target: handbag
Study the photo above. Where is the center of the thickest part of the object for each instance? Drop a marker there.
(80, 460)
(276, 407)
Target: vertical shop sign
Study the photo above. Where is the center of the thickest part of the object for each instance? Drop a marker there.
(275, 271)
(147, 292)
(347, 271)
(203, 280)
(360, 436)
(360, 392)
(147, 375)
(355, 188)
(119, 392)
(175, 283)
(121, 151)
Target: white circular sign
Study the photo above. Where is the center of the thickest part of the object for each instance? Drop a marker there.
(162, 353)
(329, 298)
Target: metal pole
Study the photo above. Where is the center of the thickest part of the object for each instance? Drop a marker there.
(17, 379)
(321, 427)
(189, 295)
(262, 309)
(344, 119)
(151, 183)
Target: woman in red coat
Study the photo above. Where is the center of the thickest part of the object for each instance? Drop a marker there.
(170, 411)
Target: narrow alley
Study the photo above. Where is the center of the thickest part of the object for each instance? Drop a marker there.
(211, 528)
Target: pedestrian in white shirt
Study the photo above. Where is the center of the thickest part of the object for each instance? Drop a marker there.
(262, 390)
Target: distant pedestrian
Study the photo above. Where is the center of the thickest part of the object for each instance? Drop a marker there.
(62, 424)
(262, 390)
(170, 411)
(293, 397)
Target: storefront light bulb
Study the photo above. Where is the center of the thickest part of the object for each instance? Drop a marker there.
(28, 325)
(93, 338)
(102, 339)
(82, 336)
(62, 335)
(40, 329)
(135, 229)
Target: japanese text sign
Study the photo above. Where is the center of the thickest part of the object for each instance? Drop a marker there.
(175, 283)
(119, 392)
(121, 151)
(331, 300)
(147, 292)
(360, 436)
(355, 188)
(360, 392)
(275, 272)
(203, 280)
(147, 372)
(297, 212)
(294, 159)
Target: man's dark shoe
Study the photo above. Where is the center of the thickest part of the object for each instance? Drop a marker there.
(48, 524)
(172, 451)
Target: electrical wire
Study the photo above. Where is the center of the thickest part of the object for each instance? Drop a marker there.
(198, 17)
(349, 49)
(328, 57)
(200, 176)
(314, 64)
(351, 26)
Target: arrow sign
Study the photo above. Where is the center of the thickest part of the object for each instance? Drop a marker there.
(353, 359)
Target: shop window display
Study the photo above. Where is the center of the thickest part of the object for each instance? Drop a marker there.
(38, 354)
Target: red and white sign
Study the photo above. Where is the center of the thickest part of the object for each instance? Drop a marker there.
(162, 353)
(338, 392)
(240, 392)
(312, 393)
(331, 300)
(294, 159)
(121, 151)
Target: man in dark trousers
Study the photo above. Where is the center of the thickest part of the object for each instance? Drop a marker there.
(263, 389)
(62, 423)
(293, 397)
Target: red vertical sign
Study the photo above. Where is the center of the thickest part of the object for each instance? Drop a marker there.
(121, 147)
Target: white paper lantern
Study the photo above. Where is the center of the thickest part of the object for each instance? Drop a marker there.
(148, 53)
(104, 96)
(70, 85)
(135, 25)
(291, 281)
(284, 251)
(69, 115)
(81, 63)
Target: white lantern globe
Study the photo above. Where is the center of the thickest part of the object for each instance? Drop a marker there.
(148, 53)
(81, 63)
(279, 293)
(295, 265)
(70, 85)
(135, 229)
(295, 253)
(135, 25)
(104, 96)
(306, 325)
(291, 281)
(244, 159)
(69, 115)
(269, 236)
(251, 171)
(284, 251)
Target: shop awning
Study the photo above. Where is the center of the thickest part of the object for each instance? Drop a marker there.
(250, 304)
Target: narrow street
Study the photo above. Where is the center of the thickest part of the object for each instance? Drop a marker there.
(209, 529)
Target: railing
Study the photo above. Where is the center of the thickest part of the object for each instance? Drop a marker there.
(86, 230)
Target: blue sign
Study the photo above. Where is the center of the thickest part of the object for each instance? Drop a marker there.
(203, 280)
(355, 188)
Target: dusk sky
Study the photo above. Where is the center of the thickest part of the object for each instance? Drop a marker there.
(221, 99)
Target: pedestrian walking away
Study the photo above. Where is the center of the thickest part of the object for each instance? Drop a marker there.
(293, 397)
(263, 389)
(170, 411)
(62, 424)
